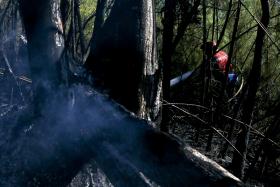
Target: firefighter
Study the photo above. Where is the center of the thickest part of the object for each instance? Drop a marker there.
(218, 61)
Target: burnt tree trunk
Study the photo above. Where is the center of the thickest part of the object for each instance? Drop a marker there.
(123, 58)
(81, 32)
(64, 9)
(100, 15)
(98, 24)
(168, 34)
(44, 34)
(204, 63)
(167, 47)
(253, 83)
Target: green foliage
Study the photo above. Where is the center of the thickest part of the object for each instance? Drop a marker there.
(87, 8)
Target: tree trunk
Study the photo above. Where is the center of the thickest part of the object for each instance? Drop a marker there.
(123, 58)
(41, 19)
(64, 7)
(100, 15)
(98, 24)
(253, 82)
(81, 31)
(167, 48)
(205, 62)
(168, 34)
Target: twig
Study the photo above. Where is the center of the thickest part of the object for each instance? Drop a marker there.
(13, 75)
(21, 77)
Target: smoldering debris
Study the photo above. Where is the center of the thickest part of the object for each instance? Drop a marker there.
(51, 149)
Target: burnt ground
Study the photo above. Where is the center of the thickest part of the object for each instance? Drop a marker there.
(55, 149)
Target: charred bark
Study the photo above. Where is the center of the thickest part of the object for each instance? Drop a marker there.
(44, 34)
(205, 66)
(100, 16)
(167, 44)
(98, 24)
(167, 51)
(64, 7)
(123, 57)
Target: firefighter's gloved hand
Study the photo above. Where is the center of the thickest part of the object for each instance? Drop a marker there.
(232, 78)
